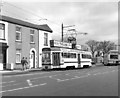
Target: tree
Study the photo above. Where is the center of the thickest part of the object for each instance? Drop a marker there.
(93, 46)
(106, 46)
(97, 46)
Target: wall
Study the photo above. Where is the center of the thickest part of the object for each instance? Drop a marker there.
(24, 45)
(41, 44)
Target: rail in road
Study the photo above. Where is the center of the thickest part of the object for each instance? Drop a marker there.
(21, 82)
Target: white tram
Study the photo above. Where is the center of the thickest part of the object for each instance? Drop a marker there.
(55, 57)
(112, 58)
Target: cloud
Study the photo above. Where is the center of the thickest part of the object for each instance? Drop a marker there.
(98, 19)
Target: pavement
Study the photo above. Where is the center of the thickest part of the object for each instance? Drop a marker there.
(15, 72)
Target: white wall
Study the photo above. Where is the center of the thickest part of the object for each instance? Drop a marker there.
(6, 32)
(41, 44)
(5, 41)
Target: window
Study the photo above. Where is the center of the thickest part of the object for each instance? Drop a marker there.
(45, 39)
(46, 57)
(18, 56)
(18, 33)
(68, 55)
(113, 56)
(2, 31)
(86, 56)
(31, 36)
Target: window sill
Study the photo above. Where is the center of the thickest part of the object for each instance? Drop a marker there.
(45, 45)
(2, 39)
(32, 42)
(18, 41)
(18, 62)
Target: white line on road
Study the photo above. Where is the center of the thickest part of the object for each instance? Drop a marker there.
(76, 77)
(44, 76)
(29, 82)
(22, 88)
(97, 73)
(54, 78)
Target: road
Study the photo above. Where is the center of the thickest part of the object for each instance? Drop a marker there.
(94, 81)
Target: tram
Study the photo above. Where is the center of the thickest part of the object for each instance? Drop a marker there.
(65, 58)
(112, 58)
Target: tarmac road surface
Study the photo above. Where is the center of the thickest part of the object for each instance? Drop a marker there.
(94, 81)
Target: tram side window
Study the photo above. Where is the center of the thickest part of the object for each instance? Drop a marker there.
(73, 55)
(68, 55)
(86, 56)
(65, 55)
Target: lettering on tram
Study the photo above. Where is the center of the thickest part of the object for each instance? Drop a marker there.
(61, 55)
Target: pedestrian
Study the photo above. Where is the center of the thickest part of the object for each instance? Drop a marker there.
(23, 63)
(26, 63)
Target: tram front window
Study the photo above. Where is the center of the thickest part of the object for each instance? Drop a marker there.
(113, 56)
(46, 57)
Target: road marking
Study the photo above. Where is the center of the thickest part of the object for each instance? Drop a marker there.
(6, 82)
(44, 76)
(29, 82)
(54, 78)
(113, 70)
(97, 73)
(76, 77)
(22, 88)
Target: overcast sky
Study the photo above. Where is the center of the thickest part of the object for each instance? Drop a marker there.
(98, 19)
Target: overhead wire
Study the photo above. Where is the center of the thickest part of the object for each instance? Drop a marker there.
(24, 10)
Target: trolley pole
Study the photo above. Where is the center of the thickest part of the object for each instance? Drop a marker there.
(62, 32)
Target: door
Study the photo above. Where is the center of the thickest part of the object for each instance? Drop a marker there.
(56, 58)
(4, 59)
(32, 59)
(79, 60)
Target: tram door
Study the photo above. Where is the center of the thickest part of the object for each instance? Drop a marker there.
(56, 58)
(78, 60)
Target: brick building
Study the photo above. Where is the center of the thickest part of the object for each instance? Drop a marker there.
(22, 39)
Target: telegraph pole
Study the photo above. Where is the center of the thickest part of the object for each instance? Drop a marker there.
(62, 32)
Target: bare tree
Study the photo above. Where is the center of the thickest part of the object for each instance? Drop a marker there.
(93, 46)
(106, 46)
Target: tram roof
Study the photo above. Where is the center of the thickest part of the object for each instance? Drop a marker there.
(113, 51)
(65, 50)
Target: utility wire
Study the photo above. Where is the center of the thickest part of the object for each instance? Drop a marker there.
(30, 13)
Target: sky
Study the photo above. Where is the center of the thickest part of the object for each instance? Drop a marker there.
(99, 18)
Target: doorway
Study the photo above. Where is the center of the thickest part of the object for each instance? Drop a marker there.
(3, 55)
(56, 58)
(32, 58)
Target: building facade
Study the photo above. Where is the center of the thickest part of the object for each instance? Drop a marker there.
(20, 39)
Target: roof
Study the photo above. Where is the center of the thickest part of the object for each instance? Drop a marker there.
(44, 27)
